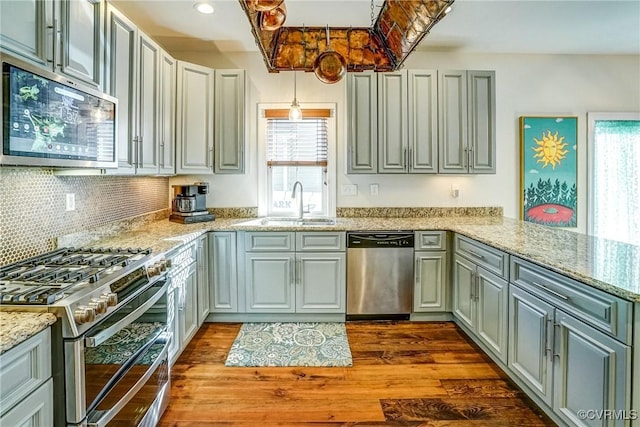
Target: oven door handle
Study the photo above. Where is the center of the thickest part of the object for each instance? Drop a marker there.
(102, 336)
(111, 412)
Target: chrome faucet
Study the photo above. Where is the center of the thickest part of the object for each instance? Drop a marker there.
(293, 196)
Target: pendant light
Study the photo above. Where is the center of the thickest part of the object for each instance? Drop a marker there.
(295, 113)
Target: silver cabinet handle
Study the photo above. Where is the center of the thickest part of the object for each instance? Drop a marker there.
(477, 283)
(547, 336)
(299, 272)
(140, 152)
(473, 286)
(418, 271)
(161, 154)
(470, 158)
(465, 157)
(292, 273)
(476, 254)
(551, 291)
(556, 335)
(405, 159)
(211, 156)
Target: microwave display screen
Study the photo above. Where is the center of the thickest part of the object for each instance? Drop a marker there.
(46, 119)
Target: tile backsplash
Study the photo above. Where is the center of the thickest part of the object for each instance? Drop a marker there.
(33, 208)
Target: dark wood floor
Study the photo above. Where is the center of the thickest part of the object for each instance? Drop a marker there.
(405, 374)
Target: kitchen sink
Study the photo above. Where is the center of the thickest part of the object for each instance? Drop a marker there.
(290, 222)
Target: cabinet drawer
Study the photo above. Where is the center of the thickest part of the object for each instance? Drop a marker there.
(184, 255)
(320, 241)
(35, 410)
(431, 240)
(262, 241)
(24, 368)
(487, 257)
(599, 309)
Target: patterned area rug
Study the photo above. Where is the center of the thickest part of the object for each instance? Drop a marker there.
(290, 344)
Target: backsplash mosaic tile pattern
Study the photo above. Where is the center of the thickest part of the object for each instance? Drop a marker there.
(33, 209)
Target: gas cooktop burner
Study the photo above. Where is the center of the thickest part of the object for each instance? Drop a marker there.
(47, 278)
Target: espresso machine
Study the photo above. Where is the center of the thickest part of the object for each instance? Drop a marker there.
(189, 203)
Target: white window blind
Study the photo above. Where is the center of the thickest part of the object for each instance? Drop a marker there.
(299, 143)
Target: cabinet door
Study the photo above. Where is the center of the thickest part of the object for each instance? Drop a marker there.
(202, 259)
(362, 99)
(81, 46)
(423, 121)
(121, 82)
(321, 282)
(269, 281)
(167, 125)
(189, 316)
(464, 307)
(452, 122)
(224, 276)
(36, 410)
(592, 371)
(229, 121)
(173, 322)
(148, 105)
(482, 121)
(429, 293)
(492, 299)
(194, 123)
(392, 122)
(24, 29)
(530, 341)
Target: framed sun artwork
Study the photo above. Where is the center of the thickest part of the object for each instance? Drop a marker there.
(548, 170)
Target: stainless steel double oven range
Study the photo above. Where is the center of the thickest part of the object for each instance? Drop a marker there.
(110, 343)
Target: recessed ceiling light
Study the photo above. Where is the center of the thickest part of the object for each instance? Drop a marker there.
(203, 7)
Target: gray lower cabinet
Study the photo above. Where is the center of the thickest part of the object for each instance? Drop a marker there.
(26, 386)
(301, 272)
(480, 304)
(270, 282)
(182, 299)
(431, 287)
(530, 342)
(204, 288)
(567, 364)
(223, 272)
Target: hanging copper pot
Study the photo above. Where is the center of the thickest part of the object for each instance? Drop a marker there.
(330, 67)
(273, 19)
(266, 5)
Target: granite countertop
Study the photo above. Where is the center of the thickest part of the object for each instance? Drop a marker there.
(604, 264)
(16, 327)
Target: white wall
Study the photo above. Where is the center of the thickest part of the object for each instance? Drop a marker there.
(525, 85)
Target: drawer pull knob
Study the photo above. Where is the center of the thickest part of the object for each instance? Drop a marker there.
(551, 291)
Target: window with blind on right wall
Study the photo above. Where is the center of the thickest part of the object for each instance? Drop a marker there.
(614, 176)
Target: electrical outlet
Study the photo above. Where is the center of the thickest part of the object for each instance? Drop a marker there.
(70, 202)
(455, 191)
(349, 190)
(373, 189)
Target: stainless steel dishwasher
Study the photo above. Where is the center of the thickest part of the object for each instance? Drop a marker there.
(379, 275)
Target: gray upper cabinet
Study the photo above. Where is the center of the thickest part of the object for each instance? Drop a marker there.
(142, 76)
(26, 29)
(81, 37)
(466, 120)
(148, 105)
(362, 145)
(121, 82)
(194, 123)
(392, 123)
(423, 121)
(167, 115)
(229, 125)
(65, 36)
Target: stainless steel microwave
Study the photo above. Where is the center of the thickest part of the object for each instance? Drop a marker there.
(48, 120)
